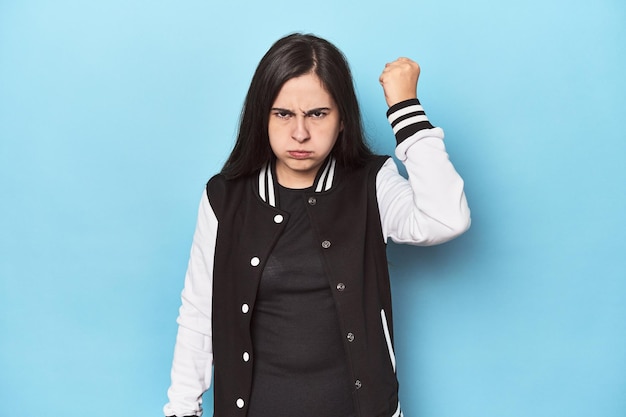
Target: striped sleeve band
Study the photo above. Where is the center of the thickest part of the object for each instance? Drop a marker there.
(407, 118)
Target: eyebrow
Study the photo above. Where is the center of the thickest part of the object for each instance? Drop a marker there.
(306, 113)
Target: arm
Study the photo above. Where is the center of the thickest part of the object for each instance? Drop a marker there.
(193, 353)
(430, 207)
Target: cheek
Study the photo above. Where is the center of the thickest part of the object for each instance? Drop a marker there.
(274, 133)
(273, 142)
(332, 137)
(336, 132)
(270, 128)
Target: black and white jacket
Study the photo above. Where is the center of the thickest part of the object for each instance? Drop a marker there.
(353, 213)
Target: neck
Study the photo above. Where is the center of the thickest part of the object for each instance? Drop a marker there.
(294, 181)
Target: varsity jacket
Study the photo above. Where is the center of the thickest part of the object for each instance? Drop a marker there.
(353, 213)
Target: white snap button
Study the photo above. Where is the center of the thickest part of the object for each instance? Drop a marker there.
(326, 244)
(341, 286)
(278, 218)
(350, 337)
(255, 261)
(246, 356)
(240, 403)
(245, 308)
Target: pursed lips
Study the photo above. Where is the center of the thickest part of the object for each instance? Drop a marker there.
(298, 154)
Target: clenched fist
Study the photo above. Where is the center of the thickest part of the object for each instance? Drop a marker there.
(399, 80)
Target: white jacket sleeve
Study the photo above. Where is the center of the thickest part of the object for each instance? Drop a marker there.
(430, 207)
(193, 353)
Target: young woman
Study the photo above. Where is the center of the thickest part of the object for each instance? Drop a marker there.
(287, 293)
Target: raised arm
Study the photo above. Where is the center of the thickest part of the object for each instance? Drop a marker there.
(430, 207)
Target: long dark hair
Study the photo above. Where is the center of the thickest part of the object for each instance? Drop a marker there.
(293, 56)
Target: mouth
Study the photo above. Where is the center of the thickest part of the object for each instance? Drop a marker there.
(300, 154)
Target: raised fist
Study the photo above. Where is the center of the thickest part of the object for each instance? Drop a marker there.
(399, 80)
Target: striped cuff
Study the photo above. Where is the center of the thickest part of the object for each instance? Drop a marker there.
(407, 118)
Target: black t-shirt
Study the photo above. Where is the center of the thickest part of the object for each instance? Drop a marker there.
(300, 365)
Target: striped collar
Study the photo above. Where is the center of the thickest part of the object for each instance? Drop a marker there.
(268, 184)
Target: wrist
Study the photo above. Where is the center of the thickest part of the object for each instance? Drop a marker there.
(407, 118)
(393, 101)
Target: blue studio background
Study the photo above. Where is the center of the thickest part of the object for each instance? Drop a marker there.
(113, 114)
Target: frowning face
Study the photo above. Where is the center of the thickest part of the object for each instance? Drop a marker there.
(304, 124)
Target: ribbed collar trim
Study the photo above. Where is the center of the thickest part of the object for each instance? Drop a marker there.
(268, 185)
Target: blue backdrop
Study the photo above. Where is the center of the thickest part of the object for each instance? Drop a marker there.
(113, 114)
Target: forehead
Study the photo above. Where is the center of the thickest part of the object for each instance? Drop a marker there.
(305, 90)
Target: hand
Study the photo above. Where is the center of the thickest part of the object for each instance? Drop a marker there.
(399, 80)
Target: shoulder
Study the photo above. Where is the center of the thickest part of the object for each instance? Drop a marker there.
(223, 192)
(378, 161)
(219, 184)
(216, 189)
(365, 174)
(216, 184)
(372, 164)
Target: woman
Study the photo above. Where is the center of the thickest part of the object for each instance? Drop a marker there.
(287, 290)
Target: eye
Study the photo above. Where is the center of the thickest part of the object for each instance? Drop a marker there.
(317, 114)
(282, 114)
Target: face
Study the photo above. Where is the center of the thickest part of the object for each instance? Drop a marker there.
(303, 127)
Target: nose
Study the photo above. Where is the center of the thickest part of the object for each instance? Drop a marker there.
(300, 132)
